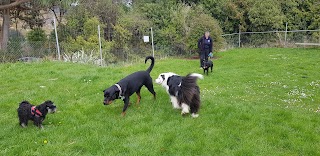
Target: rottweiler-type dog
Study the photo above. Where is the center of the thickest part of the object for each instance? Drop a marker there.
(206, 65)
(129, 85)
(37, 114)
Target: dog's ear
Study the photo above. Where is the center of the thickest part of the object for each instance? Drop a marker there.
(41, 107)
(117, 90)
(162, 76)
(48, 103)
(173, 90)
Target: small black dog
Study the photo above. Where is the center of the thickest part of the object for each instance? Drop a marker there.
(206, 65)
(37, 114)
(129, 85)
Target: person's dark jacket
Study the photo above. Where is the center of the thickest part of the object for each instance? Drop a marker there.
(201, 45)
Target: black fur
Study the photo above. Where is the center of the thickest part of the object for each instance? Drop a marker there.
(186, 90)
(206, 65)
(25, 113)
(129, 85)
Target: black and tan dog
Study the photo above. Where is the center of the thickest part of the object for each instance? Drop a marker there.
(129, 85)
(37, 114)
(206, 65)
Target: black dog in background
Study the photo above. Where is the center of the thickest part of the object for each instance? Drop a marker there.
(37, 114)
(206, 65)
(129, 85)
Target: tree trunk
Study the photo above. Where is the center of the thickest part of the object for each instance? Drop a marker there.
(5, 29)
(0, 35)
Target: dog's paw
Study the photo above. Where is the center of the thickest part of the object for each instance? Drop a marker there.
(123, 114)
(184, 111)
(23, 125)
(183, 114)
(175, 105)
(194, 115)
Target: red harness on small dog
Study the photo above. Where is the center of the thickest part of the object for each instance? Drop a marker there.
(35, 112)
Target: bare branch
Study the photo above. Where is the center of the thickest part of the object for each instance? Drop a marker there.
(13, 4)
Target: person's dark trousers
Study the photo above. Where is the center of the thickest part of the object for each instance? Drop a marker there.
(204, 56)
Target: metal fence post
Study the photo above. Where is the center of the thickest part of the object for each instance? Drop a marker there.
(239, 41)
(152, 42)
(57, 40)
(285, 34)
(100, 49)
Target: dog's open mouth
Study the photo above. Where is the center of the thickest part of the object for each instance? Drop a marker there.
(52, 110)
(107, 102)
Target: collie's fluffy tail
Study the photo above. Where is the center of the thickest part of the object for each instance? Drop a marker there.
(152, 63)
(196, 75)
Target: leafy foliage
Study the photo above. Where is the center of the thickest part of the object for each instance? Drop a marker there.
(265, 15)
(179, 25)
(36, 34)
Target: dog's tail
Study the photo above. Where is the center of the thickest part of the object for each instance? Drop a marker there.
(191, 79)
(189, 88)
(196, 75)
(152, 63)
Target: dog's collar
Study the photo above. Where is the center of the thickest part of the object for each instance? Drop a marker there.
(35, 112)
(120, 91)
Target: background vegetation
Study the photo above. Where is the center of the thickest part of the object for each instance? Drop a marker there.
(177, 24)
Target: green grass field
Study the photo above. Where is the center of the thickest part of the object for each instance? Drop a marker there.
(256, 102)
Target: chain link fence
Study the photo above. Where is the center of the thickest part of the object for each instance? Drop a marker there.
(114, 52)
(296, 38)
(26, 51)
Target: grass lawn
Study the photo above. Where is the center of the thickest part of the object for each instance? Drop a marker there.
(256, 102)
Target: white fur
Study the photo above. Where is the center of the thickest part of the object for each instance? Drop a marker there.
(174, 102)
(197, 75)
(163, 82)
(51, 110)
(194, 115)
(185, 109)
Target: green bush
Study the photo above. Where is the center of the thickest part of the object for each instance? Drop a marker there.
(36, 39)
(37, 35)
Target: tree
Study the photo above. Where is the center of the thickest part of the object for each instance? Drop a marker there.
(108, 12)
(5, 7)
(179, 25)
(266, 15)
(58, 7)
(26, 10)
(229, 13)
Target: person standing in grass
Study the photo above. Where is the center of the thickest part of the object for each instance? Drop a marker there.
(205, 47)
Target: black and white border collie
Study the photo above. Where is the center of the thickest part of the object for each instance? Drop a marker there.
(183, 91)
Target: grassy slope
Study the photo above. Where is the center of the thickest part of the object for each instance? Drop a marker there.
(256, 102)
